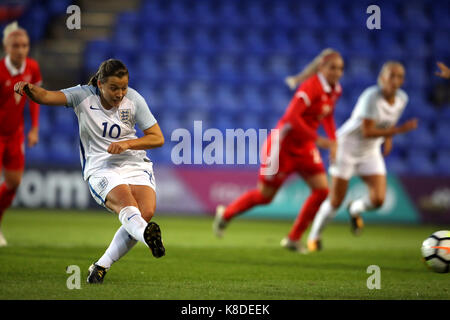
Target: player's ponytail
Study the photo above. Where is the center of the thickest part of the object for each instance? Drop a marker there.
(109, 68)
(313, 67)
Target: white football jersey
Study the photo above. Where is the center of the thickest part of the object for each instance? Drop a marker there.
(371, 105)
(99, 127)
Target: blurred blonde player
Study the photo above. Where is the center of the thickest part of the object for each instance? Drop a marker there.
(372, 123)
(114, 162)
(311, 106)
(15, 67)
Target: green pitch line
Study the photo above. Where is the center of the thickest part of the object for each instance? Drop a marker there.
(247, 263)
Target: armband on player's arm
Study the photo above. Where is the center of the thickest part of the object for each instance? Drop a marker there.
(40, 95)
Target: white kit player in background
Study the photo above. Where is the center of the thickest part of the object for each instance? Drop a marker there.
(114, 161)
(371, 124)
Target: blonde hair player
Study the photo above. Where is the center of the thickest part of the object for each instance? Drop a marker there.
(14, 67)
(312, 105)
(372, 123)
(114, 162)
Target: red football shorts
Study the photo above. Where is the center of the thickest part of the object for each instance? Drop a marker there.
(12, 152)
(306, 162)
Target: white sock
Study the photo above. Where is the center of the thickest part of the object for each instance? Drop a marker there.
(360, 205)
(120, 245)
(325, 214)
(133, 222)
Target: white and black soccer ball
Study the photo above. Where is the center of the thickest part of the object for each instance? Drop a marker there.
(436, 251)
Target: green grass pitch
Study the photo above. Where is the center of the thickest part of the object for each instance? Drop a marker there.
(247, 263)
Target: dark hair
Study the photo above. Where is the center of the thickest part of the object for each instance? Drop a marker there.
(109, 68)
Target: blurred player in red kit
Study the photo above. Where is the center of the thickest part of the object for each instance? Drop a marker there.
(15, 67)
(312, 105)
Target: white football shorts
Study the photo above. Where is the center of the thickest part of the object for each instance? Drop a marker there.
(348, 164)
(104, 180)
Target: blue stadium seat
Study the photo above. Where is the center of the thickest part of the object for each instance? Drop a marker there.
(228, 41)
(361, 44)
(415, 44)
(415, 15)
(38, 154)
(255, 42)
(253, 70)
(228, 14)
(307, 42)
(171, 96)
(421, 138)
(282, 15)
(200, 68)
(197, 95)
(65, 122)
(252, 99)
(173, 66)
(223, 122)
(280, 41)
(335, 40)
(334, 16)
(388, 46)
(203, 13)
(226, 68)
(307, 15)
(129, 18)
(226, 100)
(442, 134)
(178, 12)
(176, 39)
(278, 67)
(256, 15)
(396, 165)
(152, 13)
(421, 165)
(64, 150)
(443, 163)
(202, 41)
(439, 14)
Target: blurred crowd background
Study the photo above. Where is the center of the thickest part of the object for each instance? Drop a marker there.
(224, 62)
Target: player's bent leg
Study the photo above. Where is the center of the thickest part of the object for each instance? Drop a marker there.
(375, 199)
(377, 189)
(319, 192)
(7, 193)
(8, 189)
(260, 196)
(145, 196)
(120, 200)
(327, 212)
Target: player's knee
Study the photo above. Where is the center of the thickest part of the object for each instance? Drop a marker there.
(377, 202)
(13, 183)
(147, 214)
(321, 194)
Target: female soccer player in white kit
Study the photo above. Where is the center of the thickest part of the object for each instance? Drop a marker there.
(372, 122)
(114, 161)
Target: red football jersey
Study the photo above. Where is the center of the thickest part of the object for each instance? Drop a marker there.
(11, 104)
(313, 104)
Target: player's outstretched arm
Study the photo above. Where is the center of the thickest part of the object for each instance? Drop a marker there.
(444, 71)
(369, 130)
(40, 95)
(153, 138)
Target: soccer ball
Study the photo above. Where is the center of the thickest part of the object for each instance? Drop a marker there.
(436, 251)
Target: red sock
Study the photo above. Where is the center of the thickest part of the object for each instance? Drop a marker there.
(6, 199)
(307, 213)
(247, 201)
